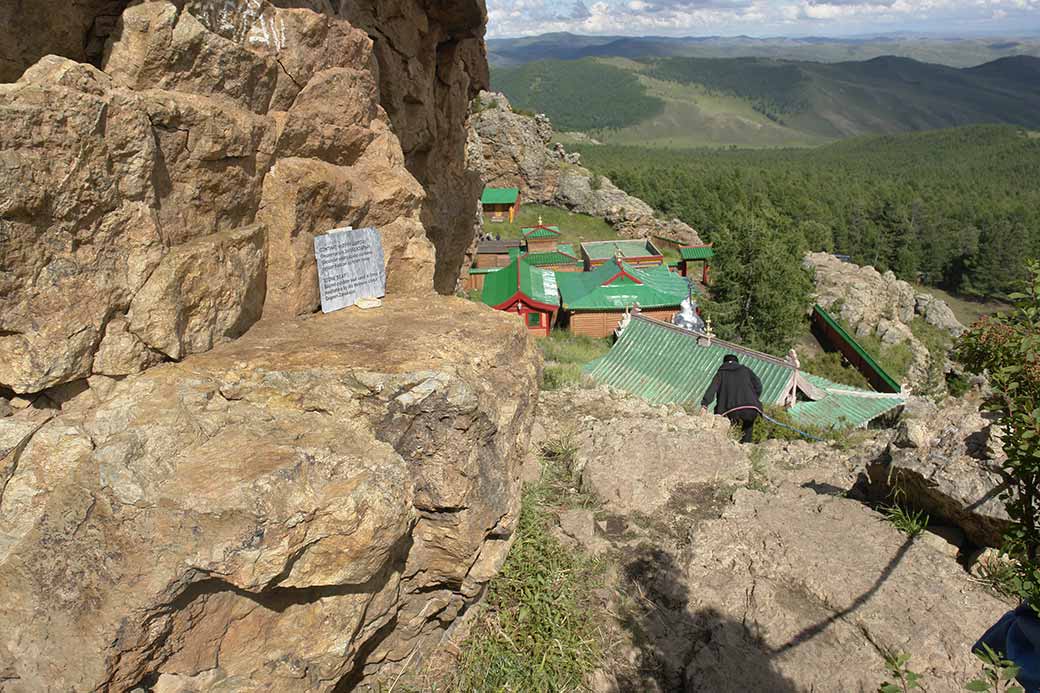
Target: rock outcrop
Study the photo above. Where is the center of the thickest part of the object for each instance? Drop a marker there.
(880, 304)
(161, 204)
(762, 575)
(516, 150)
(947, 461)
(297, 510)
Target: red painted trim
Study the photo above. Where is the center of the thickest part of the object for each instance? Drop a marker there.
(525, 300)
(622, 273)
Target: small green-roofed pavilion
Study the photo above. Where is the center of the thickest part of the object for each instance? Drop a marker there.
(522, 282)
(698, 252)
(665, 364)
(499, 196)
(617, 285)
(541, 232)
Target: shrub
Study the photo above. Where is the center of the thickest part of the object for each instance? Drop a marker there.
(1007, 349)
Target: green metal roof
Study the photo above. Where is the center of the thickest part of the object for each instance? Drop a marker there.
(605, 250)
(612, 286)
(520, 280)
(668, 365)
(843, 407)
(880, 373)
(537, 232)
(563, 255)
(698, 252)
(499, 196)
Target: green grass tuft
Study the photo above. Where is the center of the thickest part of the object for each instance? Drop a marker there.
(538, 631)
(565, 353)
(909, 522)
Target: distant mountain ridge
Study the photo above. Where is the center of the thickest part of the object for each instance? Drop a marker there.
(653, 98)
(955, 52)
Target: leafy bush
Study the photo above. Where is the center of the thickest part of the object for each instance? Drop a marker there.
(1007, 349)
(833, 367)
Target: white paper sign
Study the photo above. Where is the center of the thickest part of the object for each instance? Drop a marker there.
(350, 266)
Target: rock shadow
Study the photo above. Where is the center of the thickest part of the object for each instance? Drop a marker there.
(675, 649)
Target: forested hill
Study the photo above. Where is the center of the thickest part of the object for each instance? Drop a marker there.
(942, 51)
(957, 208)
(761, 101)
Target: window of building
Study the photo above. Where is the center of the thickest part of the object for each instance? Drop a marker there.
(534, 319)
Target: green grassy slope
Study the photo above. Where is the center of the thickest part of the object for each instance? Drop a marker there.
(679, 102)
(580, 95)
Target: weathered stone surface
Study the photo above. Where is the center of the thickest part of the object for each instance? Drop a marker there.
(432, 62)
(368, 466)
(614, 434)
(204, 292)
(206, 121)
(775, 583)
(946, 465)
(801, 591)
(516, 150)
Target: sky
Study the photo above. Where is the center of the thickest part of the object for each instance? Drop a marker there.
(763, 17)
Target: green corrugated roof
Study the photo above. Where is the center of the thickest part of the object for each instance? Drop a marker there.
(520, 278)
(697, 252)
(541, 232)
(843, 407)
(603, 250)
(651, 287)
(667, 365)
(563, 255)
(499, 196)
(881, 373)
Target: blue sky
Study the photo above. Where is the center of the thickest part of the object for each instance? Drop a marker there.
(763, 17)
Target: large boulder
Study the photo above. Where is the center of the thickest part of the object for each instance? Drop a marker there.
(297, 510)
(793, 590)
(637, 457)
(176, 192)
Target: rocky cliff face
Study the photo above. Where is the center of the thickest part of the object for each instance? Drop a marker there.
(516, 150)
(163, 203)
(185, 506)
(874, 303)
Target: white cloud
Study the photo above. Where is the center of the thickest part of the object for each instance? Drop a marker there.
(760, 17)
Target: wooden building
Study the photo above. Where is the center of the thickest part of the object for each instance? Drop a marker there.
(541, 239)
(525, 290)
(592, 303)
(692, 254)
(635, 253)
(491, 254)
(501, 204)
